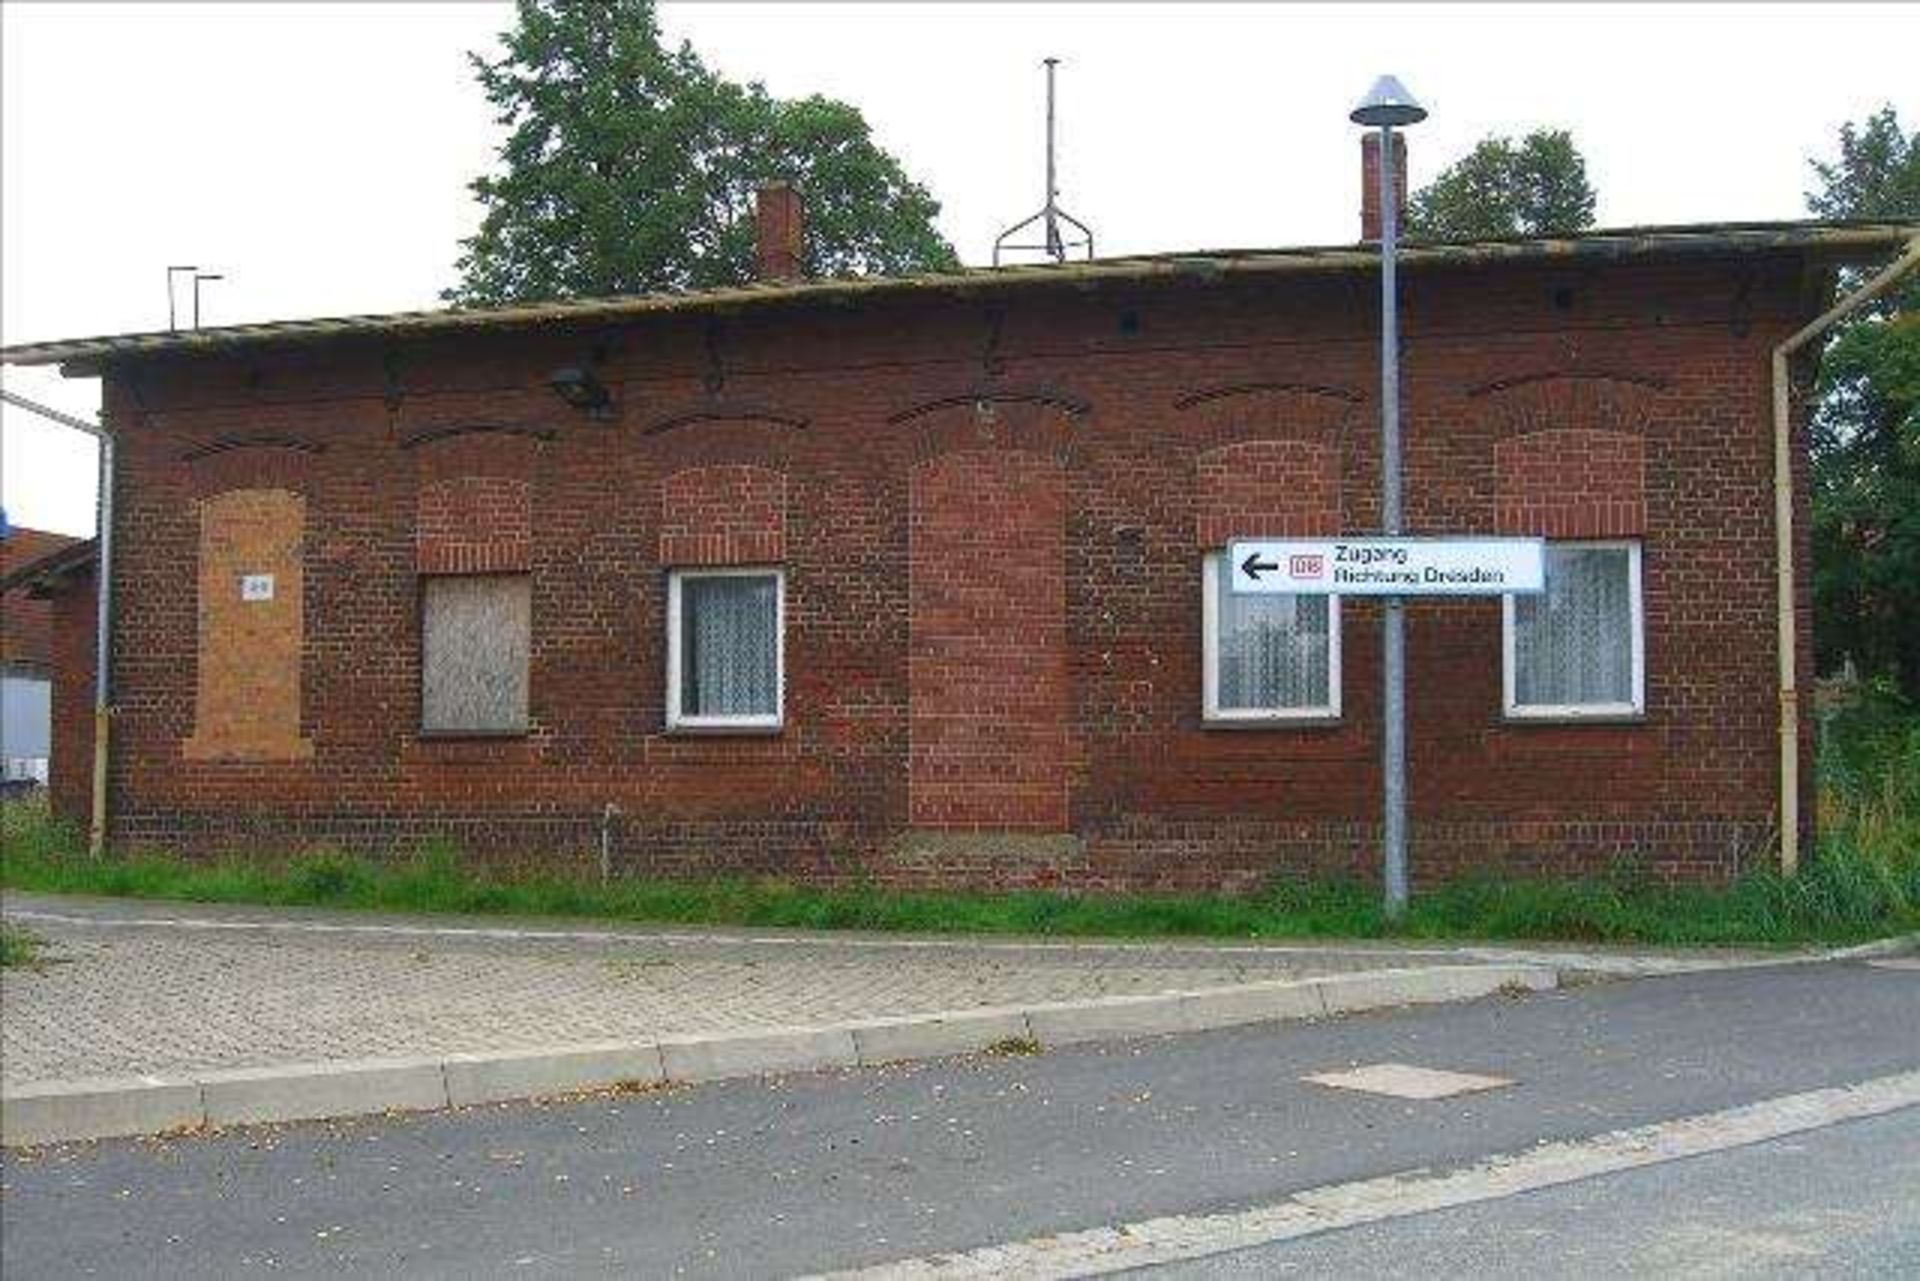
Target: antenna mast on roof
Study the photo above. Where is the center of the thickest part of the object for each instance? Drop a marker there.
(1051, 215)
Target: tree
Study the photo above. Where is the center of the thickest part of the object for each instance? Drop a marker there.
(631, 167)
(1877, 174)
(1535, 187)
(1866, 430)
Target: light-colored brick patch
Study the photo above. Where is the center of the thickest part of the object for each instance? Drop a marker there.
(118, 999)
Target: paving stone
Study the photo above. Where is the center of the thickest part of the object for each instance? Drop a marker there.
(153, 998)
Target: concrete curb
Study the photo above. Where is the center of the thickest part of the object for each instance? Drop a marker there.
(1895, 945)
(60, 1111)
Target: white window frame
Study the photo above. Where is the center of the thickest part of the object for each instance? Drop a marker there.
(1210, 662)
(676, 719)
(1583, 711)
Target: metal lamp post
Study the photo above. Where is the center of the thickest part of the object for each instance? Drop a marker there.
(1387, 106)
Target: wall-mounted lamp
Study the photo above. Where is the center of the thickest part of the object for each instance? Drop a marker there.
(579, 388)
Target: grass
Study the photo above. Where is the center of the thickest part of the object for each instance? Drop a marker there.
(17, 947)
(1864, 882)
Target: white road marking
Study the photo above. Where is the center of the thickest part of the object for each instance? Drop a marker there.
(1406, 1081)
(1167, 1240)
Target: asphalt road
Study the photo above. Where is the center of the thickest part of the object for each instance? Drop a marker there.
(845, 1169)
(1839, 1202)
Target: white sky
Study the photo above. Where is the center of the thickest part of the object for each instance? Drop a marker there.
(318, 154)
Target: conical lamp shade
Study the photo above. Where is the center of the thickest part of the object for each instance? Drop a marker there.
(1387, 103)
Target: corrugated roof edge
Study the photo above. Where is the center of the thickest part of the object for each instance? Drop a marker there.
(1839, 240)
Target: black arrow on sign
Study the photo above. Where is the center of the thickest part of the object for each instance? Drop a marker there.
(1253, 566)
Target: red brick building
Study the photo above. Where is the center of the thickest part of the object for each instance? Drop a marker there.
(909, 579)
(26, 656)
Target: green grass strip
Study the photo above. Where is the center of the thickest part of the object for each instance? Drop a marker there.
(1843, 896)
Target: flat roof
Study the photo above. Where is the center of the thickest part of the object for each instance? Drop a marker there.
(1831, 241)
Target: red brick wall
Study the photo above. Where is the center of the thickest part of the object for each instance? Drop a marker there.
(70, 767)
(1571, 483)
(26, 637)
(723, 515)
(1074, 454)
(987, 658)
(1267, 488)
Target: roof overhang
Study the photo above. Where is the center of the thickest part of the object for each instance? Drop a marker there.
(48, 575)
(1828, 243)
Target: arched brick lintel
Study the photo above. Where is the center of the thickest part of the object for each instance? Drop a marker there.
(1034, 420)
(1535, 403)
(259, 462)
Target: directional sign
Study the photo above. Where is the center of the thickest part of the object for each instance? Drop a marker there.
(1391, 566)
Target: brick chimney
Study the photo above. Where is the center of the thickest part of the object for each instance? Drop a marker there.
(1370, 182)
(778, 231)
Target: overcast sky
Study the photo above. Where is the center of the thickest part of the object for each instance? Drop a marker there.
(318, 154)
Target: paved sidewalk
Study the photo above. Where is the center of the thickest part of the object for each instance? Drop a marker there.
(135, 989)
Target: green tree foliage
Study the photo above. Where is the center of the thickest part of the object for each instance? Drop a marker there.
(1534, 187)
(630, 166)
(1866, 430)
(1876, 175)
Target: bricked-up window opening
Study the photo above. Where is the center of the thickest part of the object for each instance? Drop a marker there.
(1268, 658)
(476, 630)
(725, 648)
(1578, 649)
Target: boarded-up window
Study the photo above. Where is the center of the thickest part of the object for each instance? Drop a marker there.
(475, 634)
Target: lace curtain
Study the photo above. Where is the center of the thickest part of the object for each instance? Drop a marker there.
(1573, 644)
(1271, 651)
(729, 646)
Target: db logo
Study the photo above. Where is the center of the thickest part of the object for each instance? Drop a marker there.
(1307, 566)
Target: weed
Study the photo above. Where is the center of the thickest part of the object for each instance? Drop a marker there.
(18, 947)
(1013, 1047)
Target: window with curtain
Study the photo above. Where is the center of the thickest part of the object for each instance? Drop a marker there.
(724, 648)
(475, 633)
(1268, 657)
(1577, 648)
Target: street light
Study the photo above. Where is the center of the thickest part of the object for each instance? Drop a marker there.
(1387, 106)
